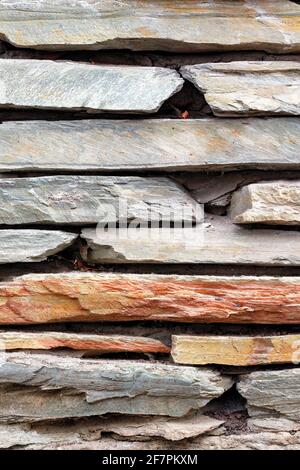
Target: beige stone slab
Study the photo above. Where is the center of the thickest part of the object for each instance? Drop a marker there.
(216, 241)
(248, 88)
(235, 350)
(79, 200)
(87, 431)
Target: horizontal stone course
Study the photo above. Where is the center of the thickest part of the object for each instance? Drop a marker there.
(66, 387)
(183, 26)
(234, 350)
(272, 393)
(191, 145)
(29, 245)
(272, 202)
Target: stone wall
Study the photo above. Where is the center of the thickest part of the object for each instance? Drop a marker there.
(150, 214)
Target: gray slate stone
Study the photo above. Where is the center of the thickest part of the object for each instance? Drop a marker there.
(22, 246)
(180, 25)
(272, 202)
(273, 392)
(47, 84)
(195, 144)
(249, 88)
(214, 242)
(66, 386)
(93, 199)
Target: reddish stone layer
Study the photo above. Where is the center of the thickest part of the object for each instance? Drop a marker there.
(46, 298)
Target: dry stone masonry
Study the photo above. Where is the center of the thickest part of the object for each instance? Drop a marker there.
(149, 224)
(248, 88)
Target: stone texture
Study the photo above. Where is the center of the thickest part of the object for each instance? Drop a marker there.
(250, 441)
(250, 88)
(173, 26)
(272, 424)
(87, 431)
(47, 84)
(22, 246)
(65, 386)
(94, 199)
(214, 189)
(234, 350)
(216, 241)
(272, 202)
(241, 441)
(12, 340)
(172, 429)
(83, 297)
(195, 144)
(273, 392)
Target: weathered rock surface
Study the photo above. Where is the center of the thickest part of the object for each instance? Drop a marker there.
(194, 144)
(273, 202)
(250, 441)
(177, 26)
(50, 298)
(273, 392)
(215, 189)
(243, 441)
(66, 386)
(251, 88)
(214, 242)
(21, 246)
(94, 199)
(234, 350)
(272, 424)
(47, 84)
(11, 340)
(173, 429)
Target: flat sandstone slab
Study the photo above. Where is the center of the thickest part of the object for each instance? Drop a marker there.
(216, 241)
(66, 387)
(46, 84)
(12, 340)
(195, 144)
(183, 26)
(87, 297)
(272, 202)
(24, 246)
(249, 88)
(94, 199)
(273, 392)
(234, 350)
